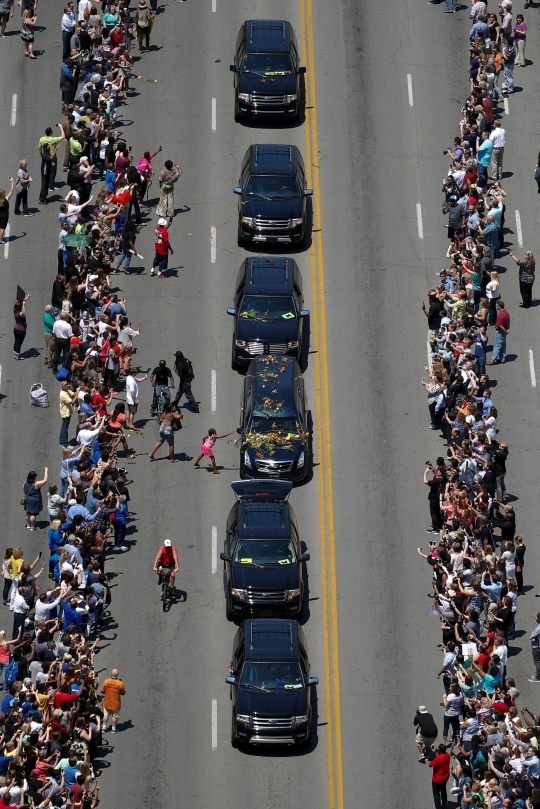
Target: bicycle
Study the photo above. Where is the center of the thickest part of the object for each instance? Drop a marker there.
(161, 402)
(166, 591)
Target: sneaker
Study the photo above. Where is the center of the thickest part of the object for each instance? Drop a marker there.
(124, 548)
(432, 531)
(161, 275)
(113, 730)
(152, 271)
(422, 758)
(28, 214)
(534, 679)
(104, 728)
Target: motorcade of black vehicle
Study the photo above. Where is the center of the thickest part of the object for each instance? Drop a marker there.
(267, 311)
(263, 559)
(270, 683)
(267, 71)
(273, 420)
(273, 193)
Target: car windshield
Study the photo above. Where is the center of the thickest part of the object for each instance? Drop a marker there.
(268, 64)
(264, 308)
(267, 552)
(272, 187)
(271, 676)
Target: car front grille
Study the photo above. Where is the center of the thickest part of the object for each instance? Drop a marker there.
(267, 348)
(259, 98)
(272, 224)
(274, 466)
(262, 597)
(279, 723)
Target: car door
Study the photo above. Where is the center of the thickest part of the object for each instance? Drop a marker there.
(239, 54)
(229, 545)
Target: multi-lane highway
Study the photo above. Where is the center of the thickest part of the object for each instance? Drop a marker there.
(385, 83)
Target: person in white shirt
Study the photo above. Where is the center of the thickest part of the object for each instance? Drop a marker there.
(86, 437)
(498, 139)
(479, 9)
(20, 610)
(62, 335)
(83, 5)
(44, 606)
(132, 396)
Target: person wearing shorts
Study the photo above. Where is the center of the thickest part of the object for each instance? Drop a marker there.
(114, 689)
(132, 397)
(162, 247)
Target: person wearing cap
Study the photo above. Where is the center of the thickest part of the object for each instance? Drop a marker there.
(114, 689)
(426, 731)
(162, 247)
(161, 380)
(166, 557)
(184, 369)
(455, 216)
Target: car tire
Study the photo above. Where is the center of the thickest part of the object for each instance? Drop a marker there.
(302, 242)
(237, 116)
(229, 612)
(234, 740)
(239, 238)
(234, 364)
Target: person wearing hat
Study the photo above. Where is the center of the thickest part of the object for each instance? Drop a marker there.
(184, 369)
(161, 380)
(162, 247)
(426, 731)
(455, 216)
(166, 557)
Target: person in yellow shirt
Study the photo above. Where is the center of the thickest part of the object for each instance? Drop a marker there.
(67, 400)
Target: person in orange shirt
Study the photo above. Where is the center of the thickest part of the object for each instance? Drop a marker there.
(114, 689)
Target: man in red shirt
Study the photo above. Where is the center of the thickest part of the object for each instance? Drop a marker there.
(441, 773)
(167, 557)
(163, 248)
(502, 327)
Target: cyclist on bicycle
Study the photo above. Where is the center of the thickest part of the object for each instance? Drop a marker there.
(161, 380)
(166, 558)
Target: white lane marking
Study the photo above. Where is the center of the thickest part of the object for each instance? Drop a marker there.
(13, 119)
(213, 247)
(213, 387)
(531, 365)
(214, 724)
(409, 87)
(213, 5)
(214, 120)
(419, 218)
(518, 229)
(214, 549)
(6, 239)
(506, 107)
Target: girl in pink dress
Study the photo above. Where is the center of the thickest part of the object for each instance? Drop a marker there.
(207, 448)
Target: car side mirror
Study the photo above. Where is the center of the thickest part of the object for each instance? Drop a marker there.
(232, 680)
(239, 430)
(304, 557)
(301, 70)
(312, 681)
(304, 313)
(231, 311)
(308, 192)
(237, 190)
(226, 557)
(234, 69)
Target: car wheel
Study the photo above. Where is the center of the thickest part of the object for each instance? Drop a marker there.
(302, 242)
(234, 364)
(240, 239)
(237, 116)
(229, 612)
(234, 740)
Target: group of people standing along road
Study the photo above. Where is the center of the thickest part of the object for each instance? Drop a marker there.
(487, 745)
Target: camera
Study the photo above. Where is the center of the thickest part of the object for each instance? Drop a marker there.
(445, 152)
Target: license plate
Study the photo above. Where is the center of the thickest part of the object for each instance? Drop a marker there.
(271, 238)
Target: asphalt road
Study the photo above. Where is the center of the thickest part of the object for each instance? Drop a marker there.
(374, 157)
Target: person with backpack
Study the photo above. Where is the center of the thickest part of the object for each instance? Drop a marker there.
(184, 369)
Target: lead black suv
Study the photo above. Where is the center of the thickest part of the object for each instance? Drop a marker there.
(273, 421)
(270, 684)
(263, 559)
(272, 188)
(267, 311)
(267, 71)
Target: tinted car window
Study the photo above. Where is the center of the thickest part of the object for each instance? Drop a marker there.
(267, 64)
(265, 308)
(271, 676)
(264, 552)
(272, 187)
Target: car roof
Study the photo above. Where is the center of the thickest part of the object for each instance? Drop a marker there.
(267, 36)
(263, 521)
(273, 158)
(269, 276)
(271, 639)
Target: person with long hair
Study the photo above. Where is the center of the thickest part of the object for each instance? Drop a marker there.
(19, 328)
(526, 277)
(27, 32)
(166, 431)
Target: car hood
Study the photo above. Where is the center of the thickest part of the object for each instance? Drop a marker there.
(272, 703)
(280, 85)
(279, 454)
(273, 209)
(272, 578)
(278, 331)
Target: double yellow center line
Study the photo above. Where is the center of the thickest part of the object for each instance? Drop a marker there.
(322, 435)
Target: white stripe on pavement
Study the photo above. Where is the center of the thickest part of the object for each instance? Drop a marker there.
(213, 387)
(6, 239)
(506, 107)
(13, 119)
(214, 549)
(409, 87)
(214, 724)
(419, 218)
(213, 5)
(213, 248)
(531, 364)
(214, 120)
(518, 229)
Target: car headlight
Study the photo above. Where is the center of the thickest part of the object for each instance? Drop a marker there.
(241, 594)
(241, 343)
(243, 718)
(293, 593)
(300, 720)
(247, 220)
(245, 97)
(300, 461)
(247, 459)
(291, 99)
(296, 222)
(292, 344)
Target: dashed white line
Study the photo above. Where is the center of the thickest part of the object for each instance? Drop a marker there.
(419, 219)
(213, 245)
(6, 239)
(213, 388)
(214, 724)
(214, 118)
(518, 229)
(531, 365)
(506, 107)
(409, 87)
(214, 5)
(13, 119)
(214, 549)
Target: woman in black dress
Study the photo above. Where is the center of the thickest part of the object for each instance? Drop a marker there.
(4, 210)
(19, 329)
(33, 502)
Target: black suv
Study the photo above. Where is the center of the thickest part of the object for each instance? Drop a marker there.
(273, 425)
(272, 188)
(270, 684)
(263, 558)
(267, 70)
(267, 309)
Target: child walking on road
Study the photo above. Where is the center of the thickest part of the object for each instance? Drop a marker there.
(207, 448)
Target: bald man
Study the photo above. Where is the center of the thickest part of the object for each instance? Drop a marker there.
(114, 689)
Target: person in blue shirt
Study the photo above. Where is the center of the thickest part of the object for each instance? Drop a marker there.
(120, 523)
(6, 702)
(486, 402)
(493, 590)
(71, 616)
(80, 508)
